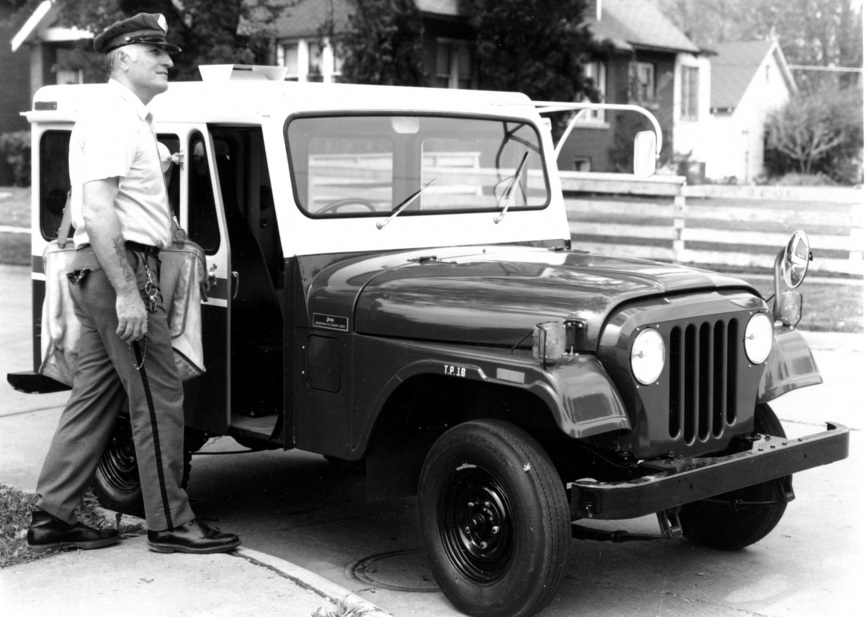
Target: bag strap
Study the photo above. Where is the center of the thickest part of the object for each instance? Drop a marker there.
(179, 236)
(65, 223)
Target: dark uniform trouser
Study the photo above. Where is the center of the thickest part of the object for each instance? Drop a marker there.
(104, 377)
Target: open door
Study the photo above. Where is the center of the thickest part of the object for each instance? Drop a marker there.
(193, 186)
(227, 208)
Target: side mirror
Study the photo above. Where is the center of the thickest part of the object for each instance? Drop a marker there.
(790, 268)
(644, 154)
(796, 259)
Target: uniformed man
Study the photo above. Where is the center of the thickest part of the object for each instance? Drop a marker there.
(121, 212)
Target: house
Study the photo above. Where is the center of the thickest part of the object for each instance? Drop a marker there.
(43, 40)
(640, 58)
(302, 42)
(749, 81)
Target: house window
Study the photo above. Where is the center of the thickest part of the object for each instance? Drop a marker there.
(454, 64)
(309, 60)
(582, 164)
(689, 93)
(596, 72)
(642, 82)
(70, 76)
(314, 62)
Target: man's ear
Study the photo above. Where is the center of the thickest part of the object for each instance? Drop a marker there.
(127, 56)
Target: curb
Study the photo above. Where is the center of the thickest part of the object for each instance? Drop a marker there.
(306, 579)
(329, 590)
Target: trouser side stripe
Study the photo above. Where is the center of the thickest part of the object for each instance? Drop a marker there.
(156, 436)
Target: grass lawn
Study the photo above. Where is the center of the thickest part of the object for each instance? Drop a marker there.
(15, 212)
(830, 305)
(15, 508)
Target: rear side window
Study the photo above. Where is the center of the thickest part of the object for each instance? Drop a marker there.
(53, 180)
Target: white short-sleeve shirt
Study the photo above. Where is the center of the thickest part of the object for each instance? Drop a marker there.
(115, 140)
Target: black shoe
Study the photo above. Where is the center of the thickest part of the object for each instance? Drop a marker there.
(47, 533)
(194, 537)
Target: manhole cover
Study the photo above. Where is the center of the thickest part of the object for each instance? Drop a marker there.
(399, 570)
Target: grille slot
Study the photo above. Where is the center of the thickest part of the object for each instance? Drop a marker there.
(703, 380)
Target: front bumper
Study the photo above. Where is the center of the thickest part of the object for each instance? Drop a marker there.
(673, 483)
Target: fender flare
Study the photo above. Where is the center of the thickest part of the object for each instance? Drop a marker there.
(579, 393)
(789, 367)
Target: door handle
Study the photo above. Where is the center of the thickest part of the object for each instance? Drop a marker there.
(212, 275)
(237, 283)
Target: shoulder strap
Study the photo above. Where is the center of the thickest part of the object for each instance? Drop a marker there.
(65, 223)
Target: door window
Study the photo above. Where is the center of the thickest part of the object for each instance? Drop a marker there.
(203, 228)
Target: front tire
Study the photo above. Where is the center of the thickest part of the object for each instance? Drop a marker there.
(494, 519)
(721, 523)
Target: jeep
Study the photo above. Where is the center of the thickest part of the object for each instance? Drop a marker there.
(394, 285)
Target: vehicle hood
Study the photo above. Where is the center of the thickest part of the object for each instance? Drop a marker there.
(490, 295)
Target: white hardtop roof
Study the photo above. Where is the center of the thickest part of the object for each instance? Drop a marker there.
(252, 101)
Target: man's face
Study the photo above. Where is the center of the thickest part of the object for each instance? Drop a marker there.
(148, 68)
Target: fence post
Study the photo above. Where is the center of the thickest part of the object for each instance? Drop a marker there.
(679, 224)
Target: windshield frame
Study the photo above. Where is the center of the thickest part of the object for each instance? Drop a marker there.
(536, 147)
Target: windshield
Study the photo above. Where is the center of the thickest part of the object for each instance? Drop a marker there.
(362, 166)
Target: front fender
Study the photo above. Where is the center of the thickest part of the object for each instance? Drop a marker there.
(579, 393)
(789, 367)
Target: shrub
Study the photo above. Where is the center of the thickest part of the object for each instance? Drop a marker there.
(818, 133)
(15, 153)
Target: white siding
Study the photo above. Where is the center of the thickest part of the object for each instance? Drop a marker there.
(737, 139)
(689, 136)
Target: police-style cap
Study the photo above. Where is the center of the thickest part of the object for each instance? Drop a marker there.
(146, 28)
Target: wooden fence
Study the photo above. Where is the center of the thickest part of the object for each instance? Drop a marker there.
(662, 218)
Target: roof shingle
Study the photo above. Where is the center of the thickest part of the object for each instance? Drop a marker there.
(732, 70)
(638, 23)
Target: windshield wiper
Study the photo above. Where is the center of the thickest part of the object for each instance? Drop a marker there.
(399, 208)
(509, 194)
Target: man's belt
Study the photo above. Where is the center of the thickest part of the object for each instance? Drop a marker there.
(138, 247)
(142, 248)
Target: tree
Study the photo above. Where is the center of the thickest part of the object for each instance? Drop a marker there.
(821, 33)
(818, 133)
(207, 30)
(532, 46)
(383, 44)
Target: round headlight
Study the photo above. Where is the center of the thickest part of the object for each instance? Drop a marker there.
(758, 338)
(648, 356)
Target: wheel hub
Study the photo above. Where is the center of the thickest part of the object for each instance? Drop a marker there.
(475, 515)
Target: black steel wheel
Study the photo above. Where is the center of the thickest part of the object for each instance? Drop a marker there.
(116, 482)
(735, 520)
(494, 519)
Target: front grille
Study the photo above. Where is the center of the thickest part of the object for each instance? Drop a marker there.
(703, 379)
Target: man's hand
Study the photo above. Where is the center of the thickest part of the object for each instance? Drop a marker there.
(132, 318)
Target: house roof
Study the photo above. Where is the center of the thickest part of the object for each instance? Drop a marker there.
(305, 18)
(41, 24)
(632, 24)
(734, 66)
